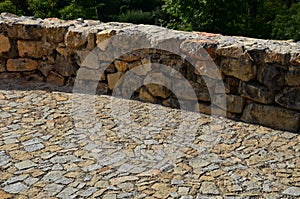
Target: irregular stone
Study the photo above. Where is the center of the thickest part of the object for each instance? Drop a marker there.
(103, 38)
(55, 33)
(292, 191)
(45, 68)
(256, 93)
(5, 44)
(275, 117)
(208, 68)
(142, 70)
(75, 38)
(276, 57)
(271, 77)
(113, 79)
(199, 162)
(209, 188)
(56, 78)
(241, 68)
(121, 66)
(34, 49)
(204, 50)
(130, 57)
(15, 188)
(27, 29)
(289, 98)
(25, 164)
(158, 85)
(234, 103)
(292, 77)
(67, 192)
(64, 67)
(53, 188)
(234, 51)
(21, 65)
(146, 96)
(116, 181)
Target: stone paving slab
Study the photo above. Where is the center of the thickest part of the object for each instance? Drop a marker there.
(66, 145)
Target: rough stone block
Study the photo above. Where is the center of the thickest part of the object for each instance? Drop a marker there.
(271, 77)
(113, 79)
(292, 77)
(4, 44)
(203, 50)
(289, 98)
(233, 51)
(34, 49)
(21, 65)
(56, 78)
(241, 68)
(256, 93)
(233, 103)
(272, 116)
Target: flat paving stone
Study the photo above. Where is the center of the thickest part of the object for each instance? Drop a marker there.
(55, 143)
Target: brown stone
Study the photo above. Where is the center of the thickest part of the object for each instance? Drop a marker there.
(56, 34)
(256, 93)
(44, 67)
(146, 96)
(292, 77)
(21, 65)
(277, 57)
(271, 77)
(289, 98)
(241, 68)
(203, 50)
(158, 85)
(64, 67)
(27, 30)
(113, 79)
(295, 59)
(208, 68)
(121, 66)
(234, 51)
(272, 116)
(35, 49)
(75, 39)
(130, 57)
(56, 78)
(102, 38)
(4, 44)
(234, 103)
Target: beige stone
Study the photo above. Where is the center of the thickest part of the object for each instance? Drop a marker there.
(272, 116)
(4, 44)
(234, 51)
(208, 68)
(102, 38)
(21, 65)
(121, 66)
(75, 39)
(233, 103)
(158, 85)
(35, 49)
(292, 77)
(56, 78)
(241, 68)
(146, 96)
(113, 79)
(204, 50)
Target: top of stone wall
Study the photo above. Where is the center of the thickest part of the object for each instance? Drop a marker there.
(154, 33)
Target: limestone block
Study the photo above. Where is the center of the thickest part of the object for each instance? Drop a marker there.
(4, 44)
(158, 85)
(256, 93)
(233, 51)
(272, 116)
(113, 79)
(75, 38)
(271, 77)
(203, 50)
(56, 78)
(121, 66)
(21, 65)
(234, 103)
(34, 49)
(241, 68)
(289, 98)
(292, 77)
(146, 96)
(64, 67)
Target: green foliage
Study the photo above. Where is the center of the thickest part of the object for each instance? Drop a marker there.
(136, 16)
(277, 19)
(287, 25)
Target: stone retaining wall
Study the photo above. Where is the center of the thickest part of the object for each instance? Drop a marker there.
(254, 80)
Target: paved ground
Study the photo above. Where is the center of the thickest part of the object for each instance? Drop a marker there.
(64, 145)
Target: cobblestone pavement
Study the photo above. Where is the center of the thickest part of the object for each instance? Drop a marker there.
(48, 151)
